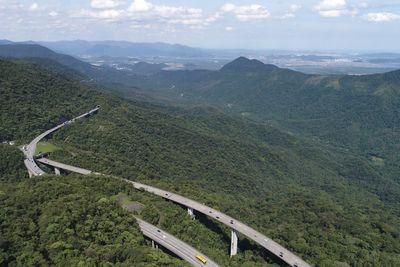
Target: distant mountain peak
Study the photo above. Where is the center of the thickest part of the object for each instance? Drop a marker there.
(245, 64)
(3, 42)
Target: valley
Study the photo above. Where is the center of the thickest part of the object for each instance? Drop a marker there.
(169, 133)
(258, 173)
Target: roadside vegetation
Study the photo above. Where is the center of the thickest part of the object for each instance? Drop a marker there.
(69, 221)
(45, 147)
(328, 205)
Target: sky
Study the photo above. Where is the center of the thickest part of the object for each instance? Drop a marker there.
(325, 25)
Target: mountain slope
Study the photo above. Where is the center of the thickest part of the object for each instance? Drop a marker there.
(361, 113)
(324, 203)
(17, 50)
(123, 49)
(144, 68)
(102, 75)
(48, 221)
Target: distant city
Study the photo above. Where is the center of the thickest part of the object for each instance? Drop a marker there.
(311, 62)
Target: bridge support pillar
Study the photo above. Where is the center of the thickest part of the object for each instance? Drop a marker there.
(191, 213)
(154, 244)
(30, 174)
(57, 171)
(234, 243)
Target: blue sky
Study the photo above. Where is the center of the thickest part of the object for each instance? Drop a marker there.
(334, 25)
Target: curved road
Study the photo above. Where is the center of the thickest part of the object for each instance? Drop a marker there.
(285, 255)
(29, 150)
(64, 166)
(270, 245)
(174, 245)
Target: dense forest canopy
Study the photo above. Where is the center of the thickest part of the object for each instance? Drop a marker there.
(329, 205)
(360, 113)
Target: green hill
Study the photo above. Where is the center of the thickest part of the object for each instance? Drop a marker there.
(325, 203)
(360, 113)
(48, 59)
(49, 221)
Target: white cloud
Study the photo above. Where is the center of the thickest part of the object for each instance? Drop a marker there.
(228, 7)
(104, 4)
(34, 7)
(213, 18)
(332, 8)
(192, 17)
(291, 13)
(381, 16)
(142, 12)
(332, 13)
(229, 29)
(101, 14)
(140, 26)
(143, 7)
(246, 13)
(140, 6)
(294, 8)
(331, 5)
(174, 12)
(287, 16)
(53, 14)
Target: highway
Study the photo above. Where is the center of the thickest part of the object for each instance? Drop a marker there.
(290, 258)
(64, 166)
(173, 244)
(279, 251)
(178, 247)
(30, 149)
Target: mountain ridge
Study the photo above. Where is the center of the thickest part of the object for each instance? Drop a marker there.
(306, 196)
(361, 113)
(123, 48)
(310, 103)
(244, 64)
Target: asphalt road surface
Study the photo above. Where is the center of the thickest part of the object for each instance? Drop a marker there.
(279, 251)
(270, 245)
(64, 166)
(178, 247)
(29, 150)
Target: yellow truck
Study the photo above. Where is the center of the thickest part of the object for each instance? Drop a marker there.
(200, 258)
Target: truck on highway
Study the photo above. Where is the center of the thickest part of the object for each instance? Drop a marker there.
(200, 258)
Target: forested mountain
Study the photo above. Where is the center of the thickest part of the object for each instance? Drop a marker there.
(144, 68)
(361, 113)
(49, 221)
(327, 204)
(100, 74)
(17, 50)
(5, 42)
(124, 49)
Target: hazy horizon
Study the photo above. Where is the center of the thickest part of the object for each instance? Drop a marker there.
(269, 50)
(309, 25)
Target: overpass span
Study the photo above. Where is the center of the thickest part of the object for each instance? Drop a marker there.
(29, 150)
(279, 251)
(63, 166)
(168, 241)
(173, 244)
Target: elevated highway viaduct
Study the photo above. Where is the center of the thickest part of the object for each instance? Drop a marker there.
(236, 226)
(30, 149)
